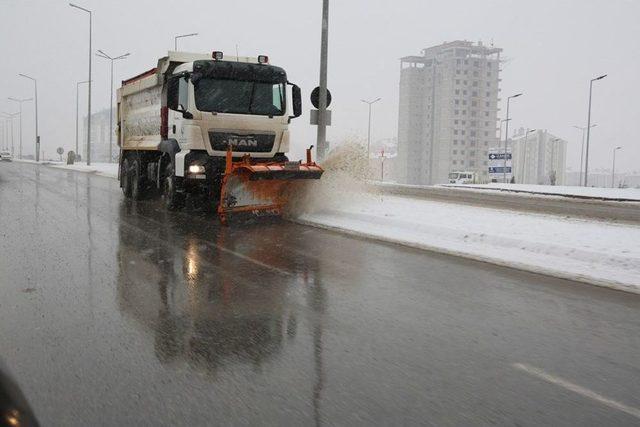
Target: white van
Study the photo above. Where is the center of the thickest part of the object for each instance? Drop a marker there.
(462, 178)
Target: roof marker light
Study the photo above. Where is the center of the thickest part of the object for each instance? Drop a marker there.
(217, 55)
(263, 59)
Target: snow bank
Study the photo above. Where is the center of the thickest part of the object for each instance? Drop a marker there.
(586, 192)
(109, 170)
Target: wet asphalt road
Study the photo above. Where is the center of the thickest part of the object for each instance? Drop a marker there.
(119, 313)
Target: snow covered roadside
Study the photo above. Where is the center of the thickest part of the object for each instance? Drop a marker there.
(109, 170)
(600, 253)
(566, 191)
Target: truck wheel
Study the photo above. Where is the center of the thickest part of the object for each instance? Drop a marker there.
(125, 179)
(137, 183)
(173, 199)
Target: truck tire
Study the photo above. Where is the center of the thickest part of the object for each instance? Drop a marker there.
(125, 179)
(137, 180)
(172, 198)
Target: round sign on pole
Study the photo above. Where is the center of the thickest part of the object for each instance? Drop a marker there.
(60, 150)
(315, 97)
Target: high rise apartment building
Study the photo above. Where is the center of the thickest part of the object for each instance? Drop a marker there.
(448, 111)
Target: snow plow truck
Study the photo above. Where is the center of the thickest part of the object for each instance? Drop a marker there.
(204, 124)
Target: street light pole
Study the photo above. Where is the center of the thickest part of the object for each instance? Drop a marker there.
(20, 101)
(583, 129)
(77, 110)
(101, 54)
(586, 156)
(369, 103)
(321, 142)
(35, 85)
(613, 169)
(506, 138)
(89, 83)
(175, 39)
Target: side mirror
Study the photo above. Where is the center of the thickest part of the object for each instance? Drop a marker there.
(296, 100)
(187, 115)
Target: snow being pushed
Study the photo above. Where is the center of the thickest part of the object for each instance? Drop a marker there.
(343, 183)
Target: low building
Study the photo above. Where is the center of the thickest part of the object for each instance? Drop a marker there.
(100, 137)
(539, 157)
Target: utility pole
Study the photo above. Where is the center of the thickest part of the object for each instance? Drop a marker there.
(101, 54)
(89, 83)
(321, 142)
(586, 156)
(506, 139)
(370, 103)
(35, 86)
(20, 101)
(175, 39)
(613, 169)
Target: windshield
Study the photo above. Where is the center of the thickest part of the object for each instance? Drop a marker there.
(240, 97)
(453, 176)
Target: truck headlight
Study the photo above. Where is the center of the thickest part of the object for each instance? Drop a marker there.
(196, 169)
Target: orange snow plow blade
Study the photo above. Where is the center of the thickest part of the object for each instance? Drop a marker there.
(260, 188)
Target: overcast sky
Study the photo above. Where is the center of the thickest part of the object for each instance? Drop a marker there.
(553, 48)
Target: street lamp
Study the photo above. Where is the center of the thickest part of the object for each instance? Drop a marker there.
(583, 129)
(175, 39)
(586, 156)
(101, 54)
(20, 101)
(10, 116)
(77, 108)
(89, 82)
(613, 169)
(506, 138)
(370, 103)
(35, 85)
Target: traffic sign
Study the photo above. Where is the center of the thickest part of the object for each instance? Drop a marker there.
(315, 97)
(499, 156)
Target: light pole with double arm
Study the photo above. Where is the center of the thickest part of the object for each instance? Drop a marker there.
(20, 101)
(101, 54)
(35, 87)
(369, 103)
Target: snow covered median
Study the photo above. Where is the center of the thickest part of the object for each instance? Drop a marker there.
(559, 190)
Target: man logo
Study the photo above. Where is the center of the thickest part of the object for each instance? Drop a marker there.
(242, 142)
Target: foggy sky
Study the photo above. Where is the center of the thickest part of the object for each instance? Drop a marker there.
(553, 48)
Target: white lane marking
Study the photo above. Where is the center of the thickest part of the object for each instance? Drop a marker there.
(635, 412)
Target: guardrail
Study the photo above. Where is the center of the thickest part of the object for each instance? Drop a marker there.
(609, 210)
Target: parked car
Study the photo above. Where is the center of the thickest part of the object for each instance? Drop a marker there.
(6, 156)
